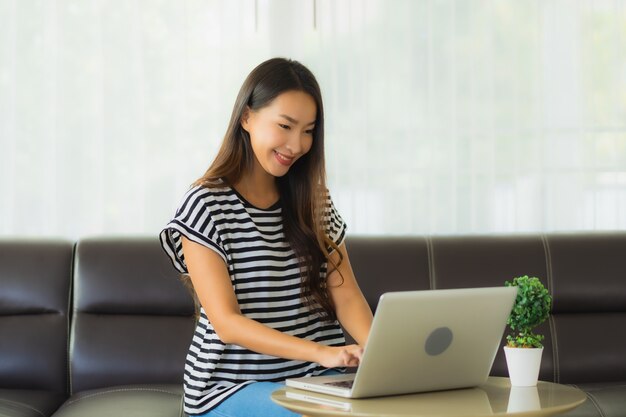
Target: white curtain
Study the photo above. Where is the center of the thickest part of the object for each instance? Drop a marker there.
(443, 116)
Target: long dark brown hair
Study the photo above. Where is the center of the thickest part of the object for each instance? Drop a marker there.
(302, 190)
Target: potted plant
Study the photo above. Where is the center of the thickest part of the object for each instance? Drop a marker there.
(524, 349)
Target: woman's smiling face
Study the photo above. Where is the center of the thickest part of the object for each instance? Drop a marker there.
(281, 132)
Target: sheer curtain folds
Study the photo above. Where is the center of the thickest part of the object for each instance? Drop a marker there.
(448, 116)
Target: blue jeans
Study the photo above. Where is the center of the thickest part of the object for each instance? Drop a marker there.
(254, 401)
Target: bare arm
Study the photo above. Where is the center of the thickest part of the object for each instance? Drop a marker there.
(352, 309)
(212, 284)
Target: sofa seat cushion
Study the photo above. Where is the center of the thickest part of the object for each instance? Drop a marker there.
(28, 403)
(125, 400)
(603, 400)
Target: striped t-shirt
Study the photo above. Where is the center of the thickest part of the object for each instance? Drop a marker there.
(266, 279)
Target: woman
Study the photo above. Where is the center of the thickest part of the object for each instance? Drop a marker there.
(263, 246)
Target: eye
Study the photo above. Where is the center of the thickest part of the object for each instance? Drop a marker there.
(309, 132)
(286, 127)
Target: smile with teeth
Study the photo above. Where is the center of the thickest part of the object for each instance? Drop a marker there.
(285, 160)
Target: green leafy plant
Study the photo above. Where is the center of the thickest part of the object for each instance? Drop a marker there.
(531, 308)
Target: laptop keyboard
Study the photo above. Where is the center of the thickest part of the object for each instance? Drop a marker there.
(341, 384)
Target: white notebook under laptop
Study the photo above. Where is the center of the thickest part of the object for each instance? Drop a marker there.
(425, 341)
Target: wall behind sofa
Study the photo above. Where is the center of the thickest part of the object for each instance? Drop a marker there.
(448, 116)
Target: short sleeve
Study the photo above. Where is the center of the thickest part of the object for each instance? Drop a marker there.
(333, 223)
(194, 221)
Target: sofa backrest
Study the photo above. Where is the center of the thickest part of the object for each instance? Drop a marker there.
(383, 264)
(587, 275)
(132, 320)
(34, 297)
(585, 272)
(489, 261)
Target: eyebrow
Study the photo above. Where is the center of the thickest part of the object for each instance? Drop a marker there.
(294, 121)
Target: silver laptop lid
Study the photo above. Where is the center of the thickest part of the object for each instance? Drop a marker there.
(433, 340)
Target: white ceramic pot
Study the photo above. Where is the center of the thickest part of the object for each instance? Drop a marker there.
(523, 364)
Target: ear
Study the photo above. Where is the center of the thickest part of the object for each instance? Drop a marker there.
(245, 119)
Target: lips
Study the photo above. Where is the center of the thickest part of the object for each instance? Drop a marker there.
(282, 159)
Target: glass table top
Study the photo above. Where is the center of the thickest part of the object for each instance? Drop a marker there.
(495, 397)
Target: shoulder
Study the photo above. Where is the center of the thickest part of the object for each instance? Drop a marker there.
(203, 197)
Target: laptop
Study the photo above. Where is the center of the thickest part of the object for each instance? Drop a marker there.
(425, 341)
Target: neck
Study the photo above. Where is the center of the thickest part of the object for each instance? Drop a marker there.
(258, 187)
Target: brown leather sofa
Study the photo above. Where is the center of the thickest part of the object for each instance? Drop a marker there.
(101, 327)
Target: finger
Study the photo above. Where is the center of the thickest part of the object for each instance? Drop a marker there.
(353, 361)
(359, 352)
(348, 358)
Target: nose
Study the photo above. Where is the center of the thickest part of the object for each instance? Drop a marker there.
(294, 144)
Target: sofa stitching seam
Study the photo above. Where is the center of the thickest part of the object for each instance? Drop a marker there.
(555, 350)
(182, 406)
(118, 390)
(548, 254)
(70, 319)
(551, 322)
(594, 401)
(30, 407)
(431, 263)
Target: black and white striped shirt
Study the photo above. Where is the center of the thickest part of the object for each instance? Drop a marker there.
(266, 279)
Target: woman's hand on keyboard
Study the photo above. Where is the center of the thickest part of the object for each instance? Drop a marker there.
(336, 357)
